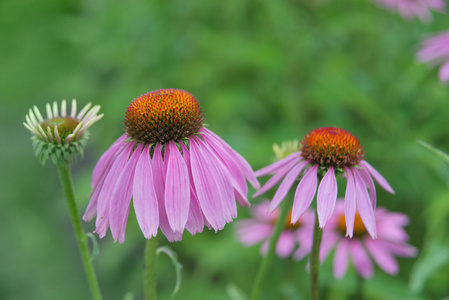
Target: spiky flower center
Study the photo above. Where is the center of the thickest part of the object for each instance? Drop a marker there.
(331, 146)
(359, 228)
(66, 125)
(163, 115)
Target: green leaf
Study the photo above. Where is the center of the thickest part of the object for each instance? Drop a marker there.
(95, 247)
(128, 296)
(435, 256)
(437, 151)
(174, 259)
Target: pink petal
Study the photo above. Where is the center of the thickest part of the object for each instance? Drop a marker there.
(177, 189)
(364, 205)
(105, 160)
(157, 164)
(204, 173)
(286, 184)
(251, 232)
(275, 179)
(379, 178)
(350, 203)
(384, 259)
(230, 167)
(443, 72)
(121, 198)
(403, 250)
(327, 195)
(285, 244)
(341, 259)
(370, 184)
(362, 262)
(293, 158)
(104, 198)
(305, 192)
(144, 195)
(244, 166)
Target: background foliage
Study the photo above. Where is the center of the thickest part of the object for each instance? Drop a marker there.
(264, 71)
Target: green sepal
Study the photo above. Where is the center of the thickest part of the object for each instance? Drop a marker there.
(59, 153)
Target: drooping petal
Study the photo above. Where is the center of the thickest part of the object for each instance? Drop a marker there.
(230, 167)
(105, 160)
(121, 198)
(382, 256)
(305, 192)
(364, 205)
(157, 165)
(293, 158)
(286, 184)
(369, 184)
(327, 195)
(177, 189)
(244, 165)
(144, 195)
(350, 203)
(104, 199)
(379, 178)
(204, 173)
(341, 259)
(274, 179)
(362, 262)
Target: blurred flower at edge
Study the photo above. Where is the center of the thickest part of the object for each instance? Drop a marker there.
(391, 241)
(435, 50)
(408, 9)
(261, 226)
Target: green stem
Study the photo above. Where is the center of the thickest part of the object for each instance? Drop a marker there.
(149, 283)
(315, 260)
(66, 181)
(359, 288)
(266, 261)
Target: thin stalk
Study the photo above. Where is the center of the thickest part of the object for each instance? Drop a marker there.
(315, 260)
(359, 288)
(66, 181)
(149, 283)
(266, 261)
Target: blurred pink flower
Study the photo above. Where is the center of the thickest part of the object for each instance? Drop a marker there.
(325, 152)
(260, 229)
(391, 241)
(408, 9)
(179, 174)
(435, 50)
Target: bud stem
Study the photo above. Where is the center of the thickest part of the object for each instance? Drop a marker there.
(66, 181)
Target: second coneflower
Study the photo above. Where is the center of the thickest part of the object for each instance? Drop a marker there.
(179, 174)
(325, 152)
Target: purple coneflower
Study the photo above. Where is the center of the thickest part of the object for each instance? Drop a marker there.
(391, 241)
(408, 9)
(179, 174)
(260, 229)
(436, 51)
(61, 135)
(323, 153)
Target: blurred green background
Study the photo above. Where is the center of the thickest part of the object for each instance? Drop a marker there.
(264, 72)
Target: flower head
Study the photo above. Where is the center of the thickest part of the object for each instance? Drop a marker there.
(391, 241)
(261, 226)
(179, 174)
(60, 136)
(409, 9)
(324, 153)
(436, 51)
